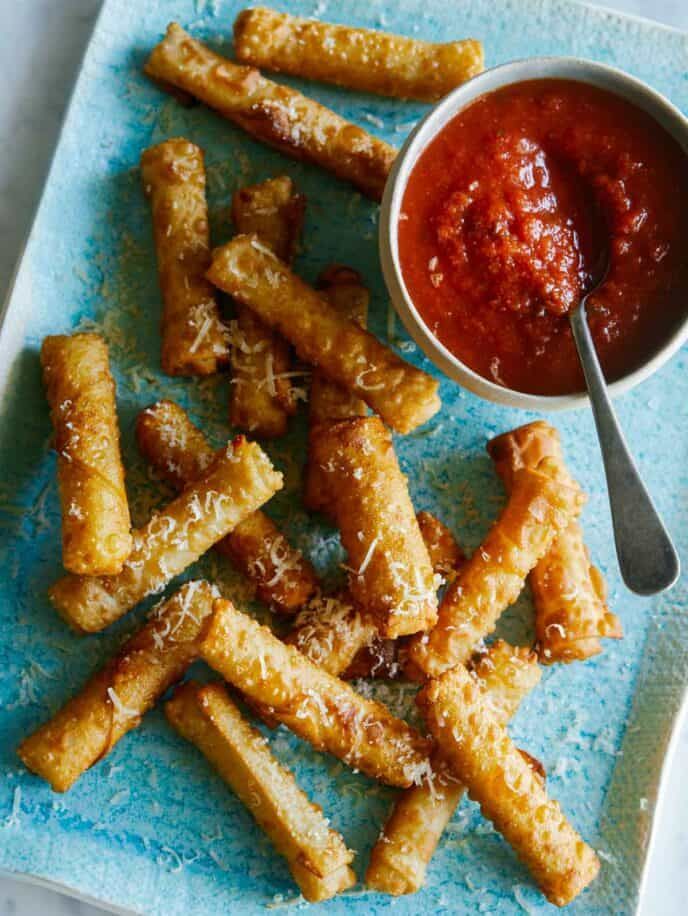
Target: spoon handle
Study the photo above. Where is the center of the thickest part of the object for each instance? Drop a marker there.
(647, 558)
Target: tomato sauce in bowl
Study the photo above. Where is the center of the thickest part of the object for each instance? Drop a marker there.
(523, 202)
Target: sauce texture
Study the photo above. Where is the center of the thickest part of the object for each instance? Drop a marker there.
(523, 202)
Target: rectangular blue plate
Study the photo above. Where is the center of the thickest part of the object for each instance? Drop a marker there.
(151, 828)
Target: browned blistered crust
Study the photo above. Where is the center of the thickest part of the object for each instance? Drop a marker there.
(390, 574)
(400, 857)
(569, 593)
(355, 58)
(318, 707)
(96, 528)
(238, 481)
(404, 396)
(114, 700)
(328, 401)
(194, 340)
(480, 753)
(180, 453)
(539, 508)
(263, 396)
(277, 115)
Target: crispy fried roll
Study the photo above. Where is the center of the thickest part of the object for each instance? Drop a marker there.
(334, 633)
(114, 700)
(328, 401)
(330, 631)
(262, 396)
(180, 453)
(371, 61)
(540, 506)
(404, 396)
(96, 528)
(240, 479)
(194, 340)
(571, 612)
(387, 659)
(312, 703)
(390, 572)
(480, 753)
(207, 717)
(400, 857)
(445, 554)
(279, 116)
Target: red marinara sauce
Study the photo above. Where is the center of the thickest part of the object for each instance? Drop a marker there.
(506, 219)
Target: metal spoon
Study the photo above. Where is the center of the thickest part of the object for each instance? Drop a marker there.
(647, 557)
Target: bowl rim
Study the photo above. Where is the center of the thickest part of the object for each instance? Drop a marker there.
(574, 69)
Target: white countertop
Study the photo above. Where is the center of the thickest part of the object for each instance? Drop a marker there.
(41, 43)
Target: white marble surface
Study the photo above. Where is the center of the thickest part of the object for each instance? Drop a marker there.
(41, 43)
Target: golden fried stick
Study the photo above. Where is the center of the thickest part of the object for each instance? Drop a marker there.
(262, 396)
(315, 705)
(239, 480)
(404, 396)
(336, 635)
(330, 631)
(115, 698)
(445, 554)
(279, 116)
(194, 340)
(328, 401)
(363, 59)
(402, 853)
(569, 593)
(540, 506)
(180, 453)
(207, 717)
(480, 753)
(390, 572)
(96, 528)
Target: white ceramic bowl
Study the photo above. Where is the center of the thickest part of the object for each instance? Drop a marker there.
(569, 68)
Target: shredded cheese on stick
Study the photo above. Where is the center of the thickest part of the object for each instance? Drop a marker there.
(540, 507)
(480, 753)
(362, 59)
(569, 593)
(315, 705)
(239, 480)
(180, 453)
(114, 700)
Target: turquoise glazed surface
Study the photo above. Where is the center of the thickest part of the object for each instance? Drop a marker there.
(151, 828)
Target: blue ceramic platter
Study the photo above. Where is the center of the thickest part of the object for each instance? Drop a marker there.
(151, 829)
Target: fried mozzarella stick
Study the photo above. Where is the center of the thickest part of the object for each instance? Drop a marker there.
(404, 396)
(569, 593)
(180, 453)
(330, 631)
(194, 340)
(444, 551)
(390, 572)
(317, 855)
(239, 480)
(261, 396)
(277, 115)
(96, 528)
(402, 853)
(364, 59)
(540, 506)
(480, 753)
(328, 401)
(336, 635)
(315, 705)
(114, 700)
